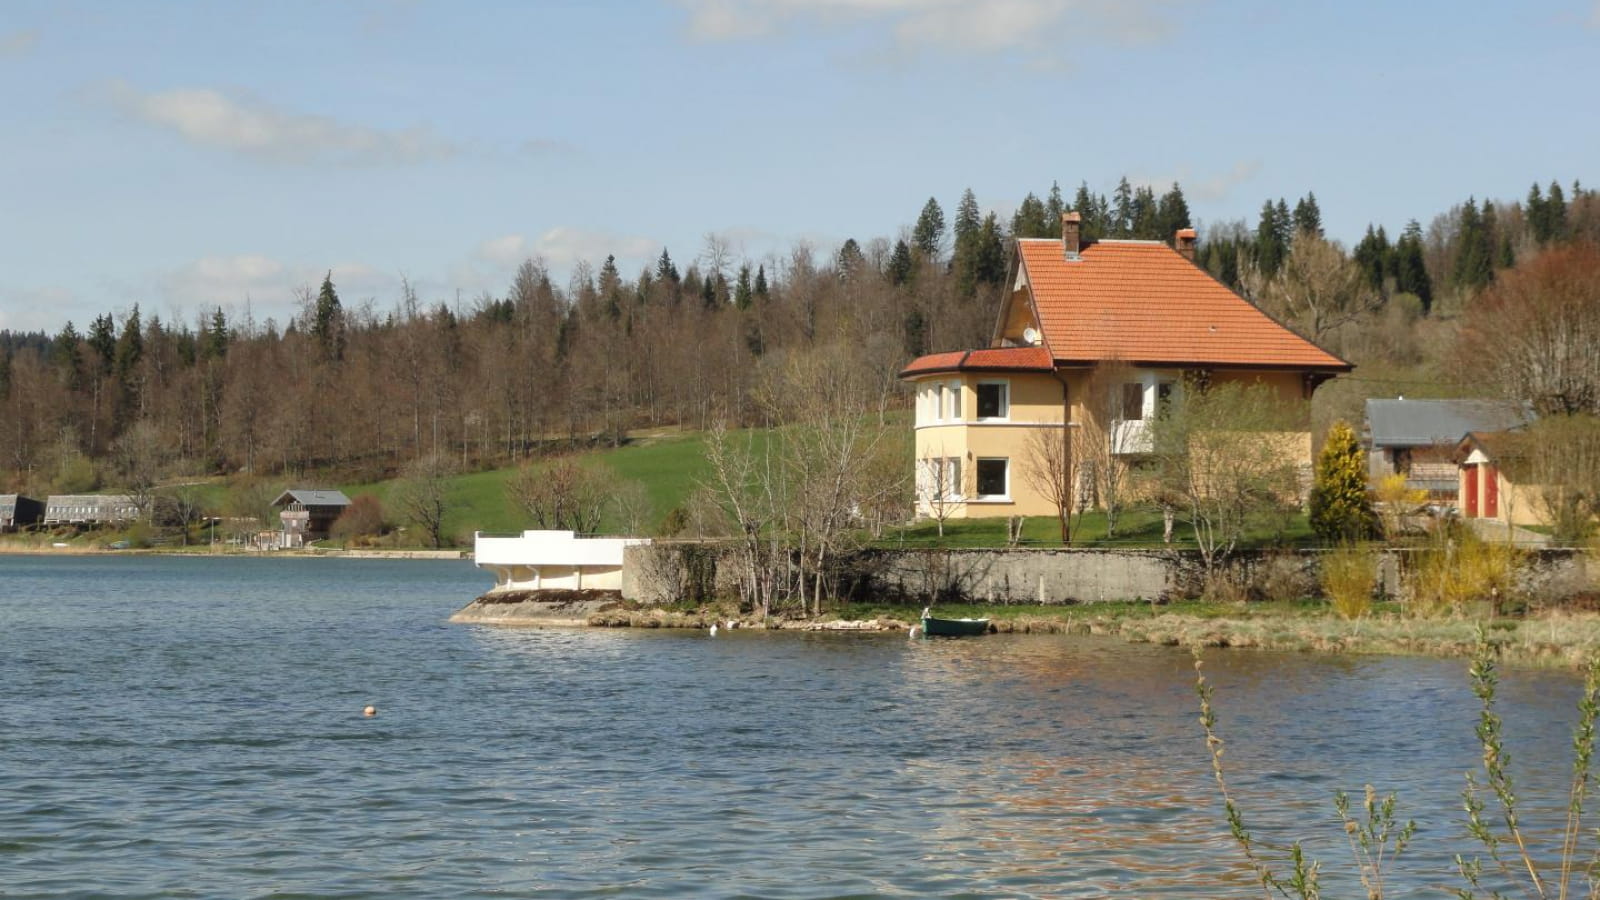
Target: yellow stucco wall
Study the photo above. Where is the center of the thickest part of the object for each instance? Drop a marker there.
(1035, 401)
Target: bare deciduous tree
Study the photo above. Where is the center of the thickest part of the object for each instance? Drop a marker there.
(422, 494)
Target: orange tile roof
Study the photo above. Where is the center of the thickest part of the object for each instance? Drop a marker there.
(1144, 303)
(1000, 359)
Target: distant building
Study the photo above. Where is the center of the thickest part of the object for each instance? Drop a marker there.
(1418, 438)
(89, 509)
(1495, 481)
(308, 515)
(17, 511)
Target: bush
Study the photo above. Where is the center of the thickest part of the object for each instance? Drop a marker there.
(1340, 508)
(1458, 568)
(361, 520)
(1349, 574)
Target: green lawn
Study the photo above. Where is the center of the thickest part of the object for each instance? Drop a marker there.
(1136, 527)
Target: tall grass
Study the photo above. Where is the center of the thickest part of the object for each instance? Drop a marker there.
(1349, 574)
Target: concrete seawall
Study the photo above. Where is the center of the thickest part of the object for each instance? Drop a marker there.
(667, 573)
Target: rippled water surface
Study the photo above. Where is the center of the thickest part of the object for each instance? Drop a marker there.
(193, 728)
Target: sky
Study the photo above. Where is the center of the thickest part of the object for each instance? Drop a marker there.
(187, 155)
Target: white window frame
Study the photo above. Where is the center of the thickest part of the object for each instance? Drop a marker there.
(991, 498)
(1005, 399)
(953, 390)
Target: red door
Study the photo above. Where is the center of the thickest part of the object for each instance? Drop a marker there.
(1471, 491)
(1491, 492)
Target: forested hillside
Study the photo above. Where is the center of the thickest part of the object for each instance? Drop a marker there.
(359, 390)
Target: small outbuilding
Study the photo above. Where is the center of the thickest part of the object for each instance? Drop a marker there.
(17, 511)
(1418, 438)
(308, 515)
(1493, 479)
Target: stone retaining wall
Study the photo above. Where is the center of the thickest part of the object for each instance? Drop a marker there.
(673, 572)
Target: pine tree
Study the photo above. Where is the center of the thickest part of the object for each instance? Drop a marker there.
(1031, 221)
(1146, 225)
(1054, 206)
(1372, 255)
(968, 218)
(991, 257)
(1092, 215)
(1271, 248)
(1474, 264)
(1120, 220)
(761, 282)
(1537, 212)
(900, 264)
(1340, 508)
(327, 325)
(103, 341)
(1173, 213)
(217, 337)
(67, 356)
(928, 235)
(1556, 210)
(1307, 216)
(741, 288)
(667, 270)
(1410, 272)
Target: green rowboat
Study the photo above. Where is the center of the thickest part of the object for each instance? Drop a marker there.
(936, 627)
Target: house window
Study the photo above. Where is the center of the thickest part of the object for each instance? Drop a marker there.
(994, 481)
(938, 401)
(1132, 405)
(1163, 397)
(994, 400)
(955, 400)
(939, 479)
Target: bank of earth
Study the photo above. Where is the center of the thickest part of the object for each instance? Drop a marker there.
(1553, 639)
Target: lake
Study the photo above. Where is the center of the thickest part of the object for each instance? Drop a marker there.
(177, 727)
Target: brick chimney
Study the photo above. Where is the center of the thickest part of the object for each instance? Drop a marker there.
(1071, 228)
(1184, 241)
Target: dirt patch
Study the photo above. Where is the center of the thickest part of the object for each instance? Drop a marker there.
(539, 608)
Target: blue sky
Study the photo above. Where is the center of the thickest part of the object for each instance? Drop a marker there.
(182, 155)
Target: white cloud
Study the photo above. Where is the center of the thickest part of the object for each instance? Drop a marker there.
(1040, 27)
(18, 43)
(564, 246)
(253, 128)
(1210, 187)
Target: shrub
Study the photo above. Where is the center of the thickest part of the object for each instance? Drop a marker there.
(363, 518)
(1349, 574)
(1396, 501)
(1340, 508)
(1457, 568)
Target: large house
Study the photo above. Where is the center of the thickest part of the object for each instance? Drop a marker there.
(1078, 312)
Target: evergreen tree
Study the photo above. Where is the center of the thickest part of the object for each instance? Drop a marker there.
(1340, 509)
(103, 341)
(1410, 273)
(761, 282)
(667, 270)
(1092, 214)
(1146, 225)
(915, 333)
(708, 293)
(5, 373)
(327, 326)
(1372, 255)
(1556, 211)
(968, 218)
(1506, 255)
(900, 264)
(928, 235)
(1173, 213)
(67, 356)
(741, 288)
(1031, 220)
(1271, 245)
(1474, 263)
(851, 261)
(130, 346)
(991, 256)
(1054, 206)
(216, 337)
(1307, 216)
(1119, 223)
(1537, 214)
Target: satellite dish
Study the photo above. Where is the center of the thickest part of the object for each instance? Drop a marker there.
(1030, 336)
